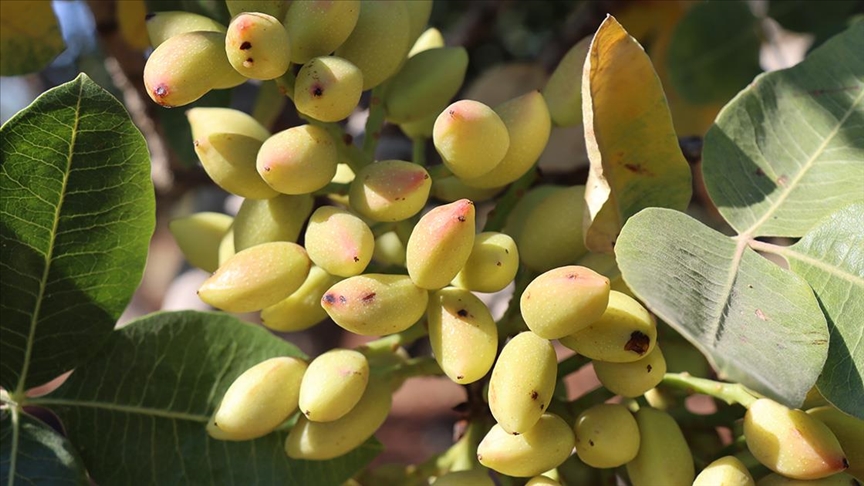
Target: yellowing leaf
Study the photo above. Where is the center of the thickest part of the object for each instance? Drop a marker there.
(29, 36)
(632, 146)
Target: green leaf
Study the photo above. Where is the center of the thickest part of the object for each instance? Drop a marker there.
(77, 209)
(787, 151)
(30, 37)
(138, 410)
(830, 258)
(714, 51)
(635, 158)
(758, 324)
(33, 453)
(824, 18)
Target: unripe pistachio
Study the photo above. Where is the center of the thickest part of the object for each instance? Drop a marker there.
(448, 188)
(842, 479)
(299, 160)
(564, 300)
(375, 304)
(563, 91)
(257, 277)
(317, 28)
(276, 8)
(431, 38)
(492, 264)
(663, 452)
(471, 138)
(542, 481)
(547, 242)
(426, 81)
(419, 12)
(338, 241)
(462, 333)
(420, 129)
(625, 332)
(227, 142)
(258, 400)
(470, 477)
(727, 470)
(302, 309)
(326, 440)
(849, 431)
(542, 447)
(606, 436)
(390, 190)
(389, 249)
(188, 65)
(440, 244)
(226, 247)
(258, 46)
(528, 124)
(328, 88)
(379, 41)
(278, 219)
(333, 384)
(522, 383)
(163, 25)
(199, 236)
(791, 442)
(634, 378)
(518, 217)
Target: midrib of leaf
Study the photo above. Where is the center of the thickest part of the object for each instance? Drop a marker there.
(113, 407)
(789, 253)
(13, 454)
(740, 246)
(750, 232)
(19, 390)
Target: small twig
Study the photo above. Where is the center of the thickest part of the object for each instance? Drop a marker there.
(730, 393)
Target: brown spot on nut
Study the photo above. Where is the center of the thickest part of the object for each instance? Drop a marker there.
(638, 343)
(246, 46)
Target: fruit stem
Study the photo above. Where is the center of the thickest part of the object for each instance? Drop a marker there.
(462, 455)
(420, 366)
(728, 392)
(374, 122)
(348, 152)
(588, 400)
(285, 83)
(333, 188)
(504, 205)
(269, 103)
(391, 343)
(418, 151)
(511, 323)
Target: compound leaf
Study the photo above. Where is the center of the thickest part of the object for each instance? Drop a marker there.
(138, 410)
(758, 324)
(635, 158)
(830, 258)
(787, 151)
(35, 453)
(714, 51)
(78, 210)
